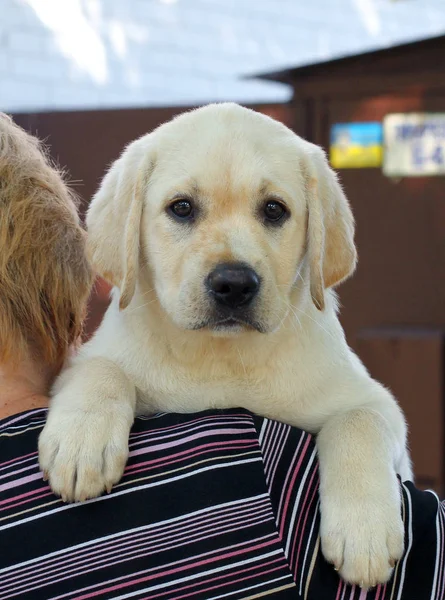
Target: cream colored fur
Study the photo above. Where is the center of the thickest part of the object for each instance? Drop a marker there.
(147, 355)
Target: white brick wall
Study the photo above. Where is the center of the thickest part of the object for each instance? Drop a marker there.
(70, 54)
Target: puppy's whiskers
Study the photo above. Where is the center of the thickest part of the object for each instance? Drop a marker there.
(292, 309)
(148, 292)
(315, 321)
(133, 308)
(242, 362)
(300, 276)
(283, 319)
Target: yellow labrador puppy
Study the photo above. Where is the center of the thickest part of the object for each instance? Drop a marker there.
(223, 233)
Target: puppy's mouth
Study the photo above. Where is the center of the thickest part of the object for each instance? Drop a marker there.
(230, 324)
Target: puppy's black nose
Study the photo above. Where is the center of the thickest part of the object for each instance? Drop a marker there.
(233, 284)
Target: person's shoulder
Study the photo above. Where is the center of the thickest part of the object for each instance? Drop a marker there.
(425, 511)
(236, 417)
(18, 443)
(220, 418)
(15, 424)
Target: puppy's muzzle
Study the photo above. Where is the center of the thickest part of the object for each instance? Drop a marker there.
(233, 285)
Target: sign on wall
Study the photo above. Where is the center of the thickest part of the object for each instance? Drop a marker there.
(414, 144)
(356, 145)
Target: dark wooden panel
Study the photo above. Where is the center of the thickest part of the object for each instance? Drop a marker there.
(411, 363)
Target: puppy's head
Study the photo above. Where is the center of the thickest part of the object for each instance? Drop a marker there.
(220, 209)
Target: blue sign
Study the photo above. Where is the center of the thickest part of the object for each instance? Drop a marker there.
(356, 145)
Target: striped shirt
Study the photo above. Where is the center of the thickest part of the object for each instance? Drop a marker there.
(220, 504)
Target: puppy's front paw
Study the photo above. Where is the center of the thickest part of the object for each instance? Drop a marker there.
(362, 539)
(82, 453)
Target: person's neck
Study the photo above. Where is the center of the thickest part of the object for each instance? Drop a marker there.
(22, 387)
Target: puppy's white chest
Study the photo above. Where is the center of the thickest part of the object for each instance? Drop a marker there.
(173, 393)
(183, 391)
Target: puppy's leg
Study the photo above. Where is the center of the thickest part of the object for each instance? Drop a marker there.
(362, 532)
(83, 447)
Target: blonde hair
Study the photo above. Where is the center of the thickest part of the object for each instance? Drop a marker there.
(45, 277)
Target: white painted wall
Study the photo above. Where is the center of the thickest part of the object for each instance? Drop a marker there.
(72, 54)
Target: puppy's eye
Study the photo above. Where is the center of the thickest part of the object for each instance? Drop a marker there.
(182, 209)
(274, 211)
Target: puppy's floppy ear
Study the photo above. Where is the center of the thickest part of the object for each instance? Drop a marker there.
(114, 218)
(331, 249)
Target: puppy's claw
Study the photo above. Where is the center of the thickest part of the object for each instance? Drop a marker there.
(367, 586)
